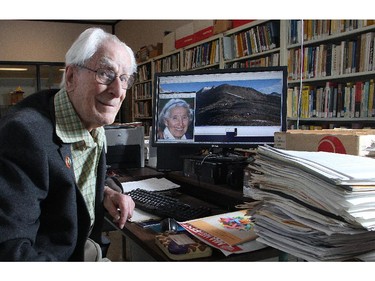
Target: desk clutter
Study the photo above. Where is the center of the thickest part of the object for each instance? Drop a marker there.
(230, 233)
(317, 206)
(193, 230)
(180, 246)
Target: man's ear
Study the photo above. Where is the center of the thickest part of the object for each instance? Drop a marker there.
(69, 78)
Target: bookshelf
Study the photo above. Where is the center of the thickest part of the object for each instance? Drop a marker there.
(142, 95)
(325, 59)
(207, 54)
(256, 44)
(330, 74)
(170, 62)
(202, 55)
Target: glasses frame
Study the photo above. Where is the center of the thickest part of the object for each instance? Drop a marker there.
(129, 79)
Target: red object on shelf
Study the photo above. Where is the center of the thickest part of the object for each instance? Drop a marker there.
(203, 33)
(185, 41)
(236, 23)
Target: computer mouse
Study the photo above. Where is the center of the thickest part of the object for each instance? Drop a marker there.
(169, 224)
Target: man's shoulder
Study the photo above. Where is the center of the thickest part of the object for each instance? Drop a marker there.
(33, 109)
(43, 95)
(39, 100)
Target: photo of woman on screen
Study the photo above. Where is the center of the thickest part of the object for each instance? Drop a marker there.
(175, 120)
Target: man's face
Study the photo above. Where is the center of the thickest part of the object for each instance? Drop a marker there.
(97, 104)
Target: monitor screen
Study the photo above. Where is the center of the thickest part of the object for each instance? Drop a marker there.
(233, 108)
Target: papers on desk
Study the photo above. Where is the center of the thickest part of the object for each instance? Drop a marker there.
(141, 216)
(151, 184)
(316, 205)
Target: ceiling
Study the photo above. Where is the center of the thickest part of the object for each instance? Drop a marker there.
(91, 21)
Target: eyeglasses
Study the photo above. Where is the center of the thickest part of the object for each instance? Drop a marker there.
(107, 76)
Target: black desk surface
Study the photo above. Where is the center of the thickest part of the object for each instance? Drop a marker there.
(145, 237)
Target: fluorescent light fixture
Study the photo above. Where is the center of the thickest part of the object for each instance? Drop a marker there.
(13, 69)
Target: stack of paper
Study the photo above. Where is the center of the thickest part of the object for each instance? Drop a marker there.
(316, 205)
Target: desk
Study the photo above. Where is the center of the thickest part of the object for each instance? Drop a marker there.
(222, 195)
(142, 240)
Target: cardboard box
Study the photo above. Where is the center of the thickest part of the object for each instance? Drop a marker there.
(203, 33)
(169, 42)
(155, 50)
(359, 142)
(184, 35)
(203, 29)
(221, 26)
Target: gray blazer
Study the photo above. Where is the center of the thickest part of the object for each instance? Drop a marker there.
(43, 215)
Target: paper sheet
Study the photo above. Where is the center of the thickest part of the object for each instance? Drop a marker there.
(151, 184)
(141, 216)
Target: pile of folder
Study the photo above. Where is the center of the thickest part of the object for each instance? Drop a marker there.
(317, 206)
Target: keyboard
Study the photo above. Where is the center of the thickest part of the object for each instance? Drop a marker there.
(165, 206)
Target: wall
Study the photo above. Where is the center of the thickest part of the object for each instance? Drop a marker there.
(44, 41)
(37, 40)
(49, 41)
(139, 33)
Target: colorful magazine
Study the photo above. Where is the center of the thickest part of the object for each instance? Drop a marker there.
(229, 232)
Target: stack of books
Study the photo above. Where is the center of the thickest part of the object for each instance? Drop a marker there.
(317, 206)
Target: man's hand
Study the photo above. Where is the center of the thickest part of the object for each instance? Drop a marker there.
(119, 206)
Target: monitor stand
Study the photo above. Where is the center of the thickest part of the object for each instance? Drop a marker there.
(225, 155)
(218, 155)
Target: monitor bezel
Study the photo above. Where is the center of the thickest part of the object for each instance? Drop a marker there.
(266, 139)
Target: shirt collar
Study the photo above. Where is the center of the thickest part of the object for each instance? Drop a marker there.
(168, 135)
(69, 127)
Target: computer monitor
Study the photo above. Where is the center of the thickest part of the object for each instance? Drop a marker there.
(219, 108)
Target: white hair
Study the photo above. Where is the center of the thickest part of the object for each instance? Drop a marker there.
(88, 43)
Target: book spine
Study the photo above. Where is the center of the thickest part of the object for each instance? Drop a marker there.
(364, 101)
(358, 99)
(371, 99)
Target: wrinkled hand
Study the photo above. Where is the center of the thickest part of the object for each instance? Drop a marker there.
(119, 206)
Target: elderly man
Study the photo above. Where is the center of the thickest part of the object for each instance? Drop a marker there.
(52, 161)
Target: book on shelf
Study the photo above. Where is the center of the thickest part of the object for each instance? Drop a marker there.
(294, 31)
(349, 100)
(318, 102)
(357, 99)
(340, 101)
(335, 109)
(289, 103)
(228, 48)
(334, 100)
(305, 101)
(364, 107)
(328, 61)
(329, 100)
(371, 110)
(353, 95)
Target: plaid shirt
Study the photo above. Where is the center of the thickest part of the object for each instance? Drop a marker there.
(86, 147)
